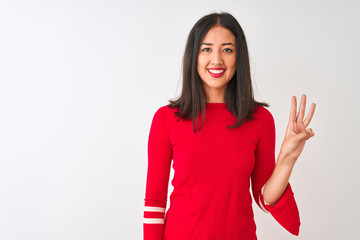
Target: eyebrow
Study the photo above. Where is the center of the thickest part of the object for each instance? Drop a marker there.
(224, 44)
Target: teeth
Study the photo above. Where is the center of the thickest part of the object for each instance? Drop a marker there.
(216, 71)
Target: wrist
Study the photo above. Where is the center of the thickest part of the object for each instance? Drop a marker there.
(285, 160)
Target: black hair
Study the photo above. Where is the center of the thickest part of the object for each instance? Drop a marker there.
(239, 96)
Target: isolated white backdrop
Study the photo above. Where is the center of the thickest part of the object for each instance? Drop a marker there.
(81, 80)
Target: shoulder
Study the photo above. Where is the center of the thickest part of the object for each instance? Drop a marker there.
(262, 112)
(165, 114)
(264, 117)
(159, 112)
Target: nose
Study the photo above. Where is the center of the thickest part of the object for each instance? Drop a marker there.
(217, 59)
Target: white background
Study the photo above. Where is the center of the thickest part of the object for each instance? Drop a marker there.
(81, 80)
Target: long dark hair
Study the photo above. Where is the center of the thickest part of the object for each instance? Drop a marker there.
(239, 96)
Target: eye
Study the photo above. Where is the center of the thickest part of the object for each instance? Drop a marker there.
(229, 50)
(206, 50)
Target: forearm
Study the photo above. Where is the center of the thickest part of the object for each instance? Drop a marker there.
(276, 184)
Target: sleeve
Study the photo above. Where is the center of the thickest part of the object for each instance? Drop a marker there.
(158, 171)
(285, 211)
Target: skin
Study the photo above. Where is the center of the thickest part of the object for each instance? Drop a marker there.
(296, 135)
(218, 49)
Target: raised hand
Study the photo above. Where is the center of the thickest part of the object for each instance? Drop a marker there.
(296, 132)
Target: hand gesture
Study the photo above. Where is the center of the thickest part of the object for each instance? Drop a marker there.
(296, 132)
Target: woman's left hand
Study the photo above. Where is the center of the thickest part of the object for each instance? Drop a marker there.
(296, 132)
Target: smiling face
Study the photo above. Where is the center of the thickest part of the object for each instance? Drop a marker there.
(216, 62)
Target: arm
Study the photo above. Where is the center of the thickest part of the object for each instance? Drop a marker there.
(293, 144)
(159, 162)
(285, 209)
(277, 183)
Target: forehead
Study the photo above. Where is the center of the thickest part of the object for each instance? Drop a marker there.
(219, 34)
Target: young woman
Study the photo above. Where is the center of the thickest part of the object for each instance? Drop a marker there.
(234, 146)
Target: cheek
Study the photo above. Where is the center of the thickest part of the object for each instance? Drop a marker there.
(232, 63)
(200, 62)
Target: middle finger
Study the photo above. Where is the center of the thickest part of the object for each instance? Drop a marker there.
(301, 113)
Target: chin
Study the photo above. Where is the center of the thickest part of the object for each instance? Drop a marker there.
(216, 85)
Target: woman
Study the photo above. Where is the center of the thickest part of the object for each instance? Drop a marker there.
(215, 162)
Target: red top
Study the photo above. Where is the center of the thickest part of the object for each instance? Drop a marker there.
(213, 170)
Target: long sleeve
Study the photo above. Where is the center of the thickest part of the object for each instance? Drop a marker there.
(159, 162)
(285, 211)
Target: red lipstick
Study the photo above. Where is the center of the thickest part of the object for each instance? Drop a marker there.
(216, 72)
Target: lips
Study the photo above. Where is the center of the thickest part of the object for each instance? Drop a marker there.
(216, 72)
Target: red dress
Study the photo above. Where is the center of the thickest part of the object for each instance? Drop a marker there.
(213, 170)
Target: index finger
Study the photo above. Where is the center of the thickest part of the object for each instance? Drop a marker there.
(292, 117)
